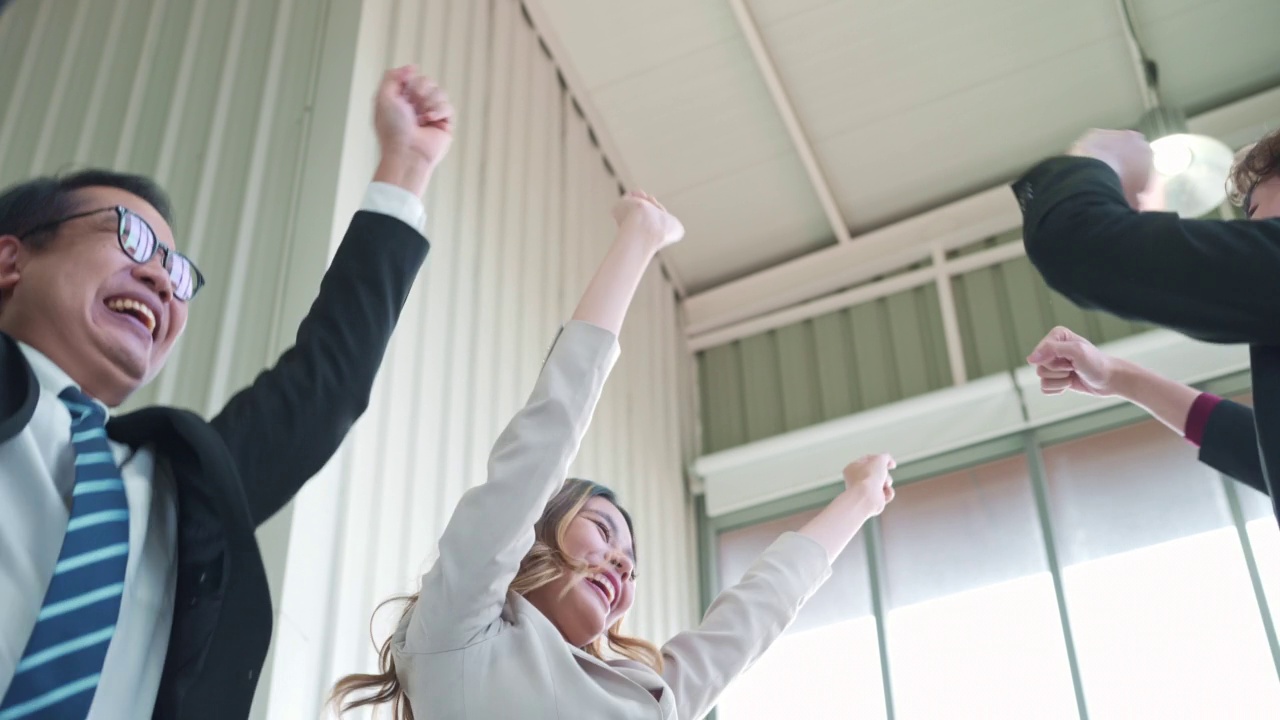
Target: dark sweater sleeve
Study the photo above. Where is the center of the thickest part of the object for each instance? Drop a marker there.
(1214, 280)
(1228, 439)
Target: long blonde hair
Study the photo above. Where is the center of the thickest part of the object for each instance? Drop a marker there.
(541, 566)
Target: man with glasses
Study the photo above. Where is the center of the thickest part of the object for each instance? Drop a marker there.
(130, 580)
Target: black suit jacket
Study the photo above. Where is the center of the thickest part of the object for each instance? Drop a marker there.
(1213, 280)
(235, 471)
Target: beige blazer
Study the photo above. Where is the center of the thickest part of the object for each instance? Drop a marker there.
(472, 650)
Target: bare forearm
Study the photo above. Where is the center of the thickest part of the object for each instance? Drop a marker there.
(838, 522)
(607, 297)
(404, 169)
(1167, 400)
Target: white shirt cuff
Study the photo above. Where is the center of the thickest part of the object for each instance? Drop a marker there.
(397, 202)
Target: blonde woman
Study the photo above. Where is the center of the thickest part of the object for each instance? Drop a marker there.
(520, 616)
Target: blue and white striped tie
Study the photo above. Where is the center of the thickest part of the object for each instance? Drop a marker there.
(59, 670)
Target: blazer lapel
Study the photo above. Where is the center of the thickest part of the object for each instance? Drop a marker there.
(173, 436)
(634, 680)
(206, 508)
(142, 427)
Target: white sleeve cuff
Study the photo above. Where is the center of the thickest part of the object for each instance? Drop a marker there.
(397, 202)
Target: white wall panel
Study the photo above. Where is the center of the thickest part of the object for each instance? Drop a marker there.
(518, 218)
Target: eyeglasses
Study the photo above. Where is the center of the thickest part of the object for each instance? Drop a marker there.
(139, 242)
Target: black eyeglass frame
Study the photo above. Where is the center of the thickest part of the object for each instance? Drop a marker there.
(122, 216)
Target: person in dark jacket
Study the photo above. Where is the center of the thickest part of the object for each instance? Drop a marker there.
(1213, 280)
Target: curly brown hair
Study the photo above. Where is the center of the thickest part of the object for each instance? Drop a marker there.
(1254, 163)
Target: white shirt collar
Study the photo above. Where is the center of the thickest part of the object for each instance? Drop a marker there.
(51, 377)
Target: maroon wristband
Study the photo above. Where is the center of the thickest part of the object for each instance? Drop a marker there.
(1198, 418)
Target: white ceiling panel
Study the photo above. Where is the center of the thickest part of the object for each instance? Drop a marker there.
(851, 64)
(691, 120)
(1211, 52)
(769, 12)
(970, 141)
(609, 40)
(745, 222)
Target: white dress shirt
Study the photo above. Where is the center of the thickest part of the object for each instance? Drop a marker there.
(37, 474)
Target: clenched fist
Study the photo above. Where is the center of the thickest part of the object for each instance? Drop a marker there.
(868, 478)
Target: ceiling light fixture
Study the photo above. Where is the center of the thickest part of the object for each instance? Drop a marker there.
(1190, 170)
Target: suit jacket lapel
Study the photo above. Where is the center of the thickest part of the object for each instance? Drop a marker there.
(178, 435)
(142, 427)
(619, 676)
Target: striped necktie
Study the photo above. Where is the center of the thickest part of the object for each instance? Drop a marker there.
(60, 667)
